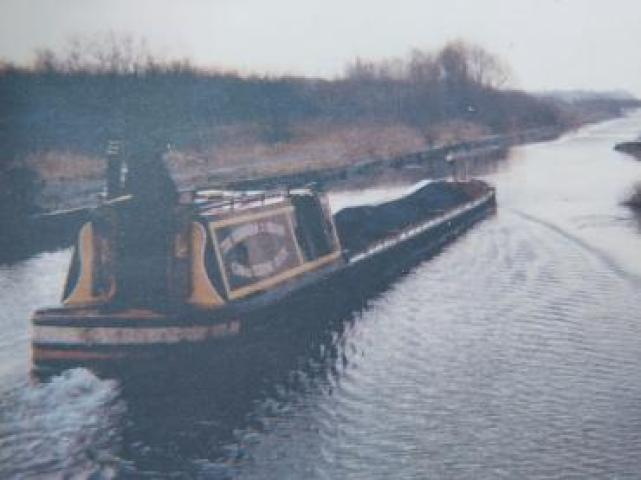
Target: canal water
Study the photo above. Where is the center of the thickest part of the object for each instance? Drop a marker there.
(514, 353)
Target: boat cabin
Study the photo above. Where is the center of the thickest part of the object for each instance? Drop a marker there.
(218, 247)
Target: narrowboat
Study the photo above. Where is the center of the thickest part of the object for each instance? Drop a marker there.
(205, 270)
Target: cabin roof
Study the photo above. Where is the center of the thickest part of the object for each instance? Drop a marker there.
(224, 202)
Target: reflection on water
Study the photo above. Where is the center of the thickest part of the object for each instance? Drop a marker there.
(513, 354)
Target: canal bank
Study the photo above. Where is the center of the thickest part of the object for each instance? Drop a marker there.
(27, 235)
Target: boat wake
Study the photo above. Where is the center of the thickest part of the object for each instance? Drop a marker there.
(69, 424)
(602, 255)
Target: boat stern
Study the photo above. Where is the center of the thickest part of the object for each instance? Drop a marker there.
(65, 336)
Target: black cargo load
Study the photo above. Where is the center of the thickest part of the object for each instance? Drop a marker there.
(359, 227)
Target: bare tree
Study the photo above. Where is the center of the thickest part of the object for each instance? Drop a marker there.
(360, 70)
(422, 68)
(486, 69)
(104, 53)
(453, 65)
(46, 61)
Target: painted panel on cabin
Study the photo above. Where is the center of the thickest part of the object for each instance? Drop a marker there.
(257, 249)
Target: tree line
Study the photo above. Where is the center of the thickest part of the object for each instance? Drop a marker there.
(95, 89)
(106, 87)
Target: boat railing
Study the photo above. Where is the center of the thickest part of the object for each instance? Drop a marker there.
(224, 200)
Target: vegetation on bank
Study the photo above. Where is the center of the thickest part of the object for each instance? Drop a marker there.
(58, 114)
(631, 148)
(633, 200)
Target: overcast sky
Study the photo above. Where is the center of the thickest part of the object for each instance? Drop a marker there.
(550, 44)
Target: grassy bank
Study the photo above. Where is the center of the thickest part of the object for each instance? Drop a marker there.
(58, 115)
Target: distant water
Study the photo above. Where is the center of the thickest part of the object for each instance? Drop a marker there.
(514, 353)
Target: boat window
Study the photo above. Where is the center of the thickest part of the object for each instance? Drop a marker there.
(313, 229)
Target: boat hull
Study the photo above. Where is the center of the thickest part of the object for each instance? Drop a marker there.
(64, 337)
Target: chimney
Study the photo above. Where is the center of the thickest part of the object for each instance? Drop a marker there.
(115, 183)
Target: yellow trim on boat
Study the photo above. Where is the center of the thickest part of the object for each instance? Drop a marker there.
(203, 293)
(284, 276)
(219, 258)
(82, 294)
(292, 231)
(248, 218)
